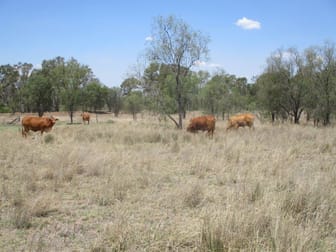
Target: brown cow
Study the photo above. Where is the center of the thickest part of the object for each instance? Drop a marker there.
(240, 120)
(204, 123)
(86, 117)
(34, 123)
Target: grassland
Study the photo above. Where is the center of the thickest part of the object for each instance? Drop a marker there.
(124, 185)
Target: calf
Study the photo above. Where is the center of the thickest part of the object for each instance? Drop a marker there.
(86, 117)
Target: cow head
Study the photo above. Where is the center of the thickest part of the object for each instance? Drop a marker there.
(52, 120)
(191, 127)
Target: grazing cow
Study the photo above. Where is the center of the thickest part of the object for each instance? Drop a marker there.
(86, 117)
(34, 123)
(240, 120)
(204, 123)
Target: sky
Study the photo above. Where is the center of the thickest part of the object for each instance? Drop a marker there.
(111, 36)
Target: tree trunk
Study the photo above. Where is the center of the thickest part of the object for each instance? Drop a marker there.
(71, 113)
(40, 110)
(273, 116)
(326, 119)
(296, 120)
(71, 117)
(179, 101)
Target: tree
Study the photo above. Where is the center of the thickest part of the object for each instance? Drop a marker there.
(114, 100)
(134, 103)
(192, 83)
(199, 80)
(268, 94)
(220, 94)
(214, 95)
(286, 80)
(178, 46)
(54, 71)
(323, 61)
(94, 96)
(76, 77)
(9, 77)
(129, 85)
(158, 88)
(24, 70)
(37, 92)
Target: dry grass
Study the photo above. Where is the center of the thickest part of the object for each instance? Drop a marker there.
(123, 185)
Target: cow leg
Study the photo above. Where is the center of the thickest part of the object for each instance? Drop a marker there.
(24, 133)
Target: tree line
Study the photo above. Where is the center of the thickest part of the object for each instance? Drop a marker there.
(292, 82)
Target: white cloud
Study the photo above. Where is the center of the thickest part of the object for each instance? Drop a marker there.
(248, 24)
(205, 65)
(199, 63)
(149, 38)
(214, 65)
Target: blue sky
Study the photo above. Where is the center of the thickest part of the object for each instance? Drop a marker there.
(109, 36)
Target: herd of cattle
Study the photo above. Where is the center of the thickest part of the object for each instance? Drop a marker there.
(208, 123)
(203, 123)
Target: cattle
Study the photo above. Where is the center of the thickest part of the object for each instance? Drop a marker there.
(204, 123)
(86, 117)
(34, 123)
(240, 120)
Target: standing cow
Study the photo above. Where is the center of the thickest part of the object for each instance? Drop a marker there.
(240, 120)
(34, 123)
(86, 117)
(204, 123)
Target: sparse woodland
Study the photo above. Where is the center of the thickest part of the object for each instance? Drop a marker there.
(131, 181)
(142, 185)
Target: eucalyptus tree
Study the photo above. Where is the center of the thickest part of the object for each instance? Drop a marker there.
(24, 70)
(130, 84)
(114, 100)
(76, 77)
(9, 77)
(221, 94)
(177, 45)
(286, 82)
(268, 94)
(158, 87)
(322, 63)
(196, 81)
(12, 79)
(193, 85)
(214, 95)
(134, 103)
(54, 71)
(93, 96)
(38, 93)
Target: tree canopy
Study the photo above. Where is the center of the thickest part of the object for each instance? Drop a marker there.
(178, 46)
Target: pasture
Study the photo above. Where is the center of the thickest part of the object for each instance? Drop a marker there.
(124, 185)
